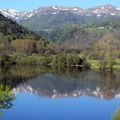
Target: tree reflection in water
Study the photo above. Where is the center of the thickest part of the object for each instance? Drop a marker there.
(54, 83)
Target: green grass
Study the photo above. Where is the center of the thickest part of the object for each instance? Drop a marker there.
(117, 115)
(117, 61)
(95, 64)
(97, 30)
(117, 65)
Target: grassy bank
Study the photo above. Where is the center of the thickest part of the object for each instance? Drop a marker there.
(60, 60)
(95, 64)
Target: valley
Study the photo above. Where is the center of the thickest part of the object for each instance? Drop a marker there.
(69, 33)
(56, 60)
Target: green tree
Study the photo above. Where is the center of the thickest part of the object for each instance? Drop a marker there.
(6, 97)
(104, 49)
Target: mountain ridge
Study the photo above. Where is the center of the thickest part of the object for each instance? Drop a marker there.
(101, 10)
(9, 27)
(68, 26)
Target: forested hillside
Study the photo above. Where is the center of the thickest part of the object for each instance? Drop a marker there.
(15, 39)
(76, 36)
(11, 28)
(67, 27)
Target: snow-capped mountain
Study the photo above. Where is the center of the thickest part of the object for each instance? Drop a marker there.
(103, 10)
(106, 10)
(15, 15)
(20, 16)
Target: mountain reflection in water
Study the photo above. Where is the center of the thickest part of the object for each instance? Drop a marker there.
(58, 84)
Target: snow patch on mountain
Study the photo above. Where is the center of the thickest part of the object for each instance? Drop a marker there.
(99, 11)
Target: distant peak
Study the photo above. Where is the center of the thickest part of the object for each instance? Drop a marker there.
(63, 7)
(55, 7)
(109, 6)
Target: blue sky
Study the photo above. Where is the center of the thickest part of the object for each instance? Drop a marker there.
(31, 4)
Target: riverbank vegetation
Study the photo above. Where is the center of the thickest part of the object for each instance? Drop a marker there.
(103, 54)
(26, 52)
(59, 60)
(20, 46)
(117, 115)
(5, 97)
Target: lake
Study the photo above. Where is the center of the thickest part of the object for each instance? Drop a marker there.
(45, 94)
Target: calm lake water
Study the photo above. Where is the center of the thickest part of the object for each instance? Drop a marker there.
(43, 94)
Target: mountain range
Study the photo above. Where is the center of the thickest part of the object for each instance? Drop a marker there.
(62, 25)
(56, 16)
(99, 11)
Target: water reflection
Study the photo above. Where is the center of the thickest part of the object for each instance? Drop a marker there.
(58, 84)
(35, 86)
(88, 83)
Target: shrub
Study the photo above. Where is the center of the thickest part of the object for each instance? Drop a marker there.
(117, 115)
